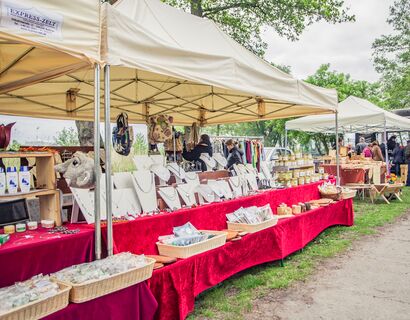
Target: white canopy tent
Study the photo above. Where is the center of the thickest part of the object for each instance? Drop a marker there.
(156, 59)
(355, 115)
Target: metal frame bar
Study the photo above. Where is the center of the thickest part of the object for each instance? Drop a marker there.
(97, 189)
(108, 183)
(337, 150)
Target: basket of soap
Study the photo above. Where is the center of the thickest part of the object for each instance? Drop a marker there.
(101, 277)
(330, 191)
(35, 298)
(187, 241)
(348, 193)
(251, 219)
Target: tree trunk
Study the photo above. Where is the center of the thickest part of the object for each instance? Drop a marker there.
(196, 8)
(85, 131)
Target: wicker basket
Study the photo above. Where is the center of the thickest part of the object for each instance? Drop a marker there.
(193, 249)
(350, 194)
(97, 288)
(333, 196)
(251, 228)
(41, 308)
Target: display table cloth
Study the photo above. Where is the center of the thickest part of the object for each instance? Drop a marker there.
(140, 236)
(176, 286)
(33, 252)
(133, 303)
(352, 175)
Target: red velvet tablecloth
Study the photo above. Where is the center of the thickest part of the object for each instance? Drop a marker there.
(176, 286)
(140, 236)
(133, 303)
(347, 175)
(33, 252)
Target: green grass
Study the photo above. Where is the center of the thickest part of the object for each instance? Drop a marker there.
(234, 297)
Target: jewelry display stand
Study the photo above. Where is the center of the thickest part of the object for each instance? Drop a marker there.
(123, 180)
(208, 160)
(236, 186)
(178, 172)
(220, 160)
(226, 189)
(171, 197)
(216, 187)
(205, 194)
(265, 170)
(162, 173)
(187, 194)
(253, 183)
(250, 169)
(192, 179)
(240, 169)
(125, 203)
(144, 185)
(84, 201)
(143, 162)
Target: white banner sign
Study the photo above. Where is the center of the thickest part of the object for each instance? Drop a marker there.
(34, 20)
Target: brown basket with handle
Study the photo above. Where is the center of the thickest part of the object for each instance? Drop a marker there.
(332, 195)
(93, 289)
(40, 308)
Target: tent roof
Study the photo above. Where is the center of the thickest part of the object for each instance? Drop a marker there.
(354, 115)
(163, 61)
(41, 39)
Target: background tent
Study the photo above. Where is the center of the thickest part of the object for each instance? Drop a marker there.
(354, 115)
(158, 67)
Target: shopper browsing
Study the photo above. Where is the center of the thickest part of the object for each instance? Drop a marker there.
(235, 155)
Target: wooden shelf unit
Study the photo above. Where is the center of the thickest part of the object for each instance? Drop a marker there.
(46, 185)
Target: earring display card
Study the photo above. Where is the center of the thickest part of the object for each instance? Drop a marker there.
(144, 185)
(187, 194)
(171, 197)
(192, 179)
(236, 186)
(253, 184)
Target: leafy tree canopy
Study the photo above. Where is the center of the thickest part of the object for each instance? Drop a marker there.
(244, 20)
(391, 56)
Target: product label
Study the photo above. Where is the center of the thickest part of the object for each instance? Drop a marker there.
(34, 20)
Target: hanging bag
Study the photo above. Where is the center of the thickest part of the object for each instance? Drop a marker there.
(122, 135)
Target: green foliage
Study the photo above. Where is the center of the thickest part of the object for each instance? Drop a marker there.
(391, 56)
(245, 20)
(67, 137)
(140, 145)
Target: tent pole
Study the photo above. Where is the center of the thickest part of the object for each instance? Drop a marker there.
(286, 138)
(97, 189)
(108, 183)
(337, 150)
(386, 152)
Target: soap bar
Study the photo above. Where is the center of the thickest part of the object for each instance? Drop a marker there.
(32, 225)
(9, 229)
(4, 238)
(20, 227)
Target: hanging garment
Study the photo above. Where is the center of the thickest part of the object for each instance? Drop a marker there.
(160, 128)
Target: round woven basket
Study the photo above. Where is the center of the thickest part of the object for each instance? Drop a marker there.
(334, 196)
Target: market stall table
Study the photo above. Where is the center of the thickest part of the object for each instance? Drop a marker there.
(176, 286)
(135, 302)
(32, 252)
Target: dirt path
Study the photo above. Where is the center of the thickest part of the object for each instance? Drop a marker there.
(371, 281)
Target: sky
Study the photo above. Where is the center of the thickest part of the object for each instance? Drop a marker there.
(347, 47)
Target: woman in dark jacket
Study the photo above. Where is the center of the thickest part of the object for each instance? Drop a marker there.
(204, 146)
(235, 155)
(398, 158)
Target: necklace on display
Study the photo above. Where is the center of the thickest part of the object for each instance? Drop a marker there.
(172, 196)
(233, 182)
(150, 185)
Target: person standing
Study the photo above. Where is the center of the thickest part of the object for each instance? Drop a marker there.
(398, 158)
(361, 146)
(377, 152)
(235, 155)
(407, 160)
(391, 145)
(204, 146)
